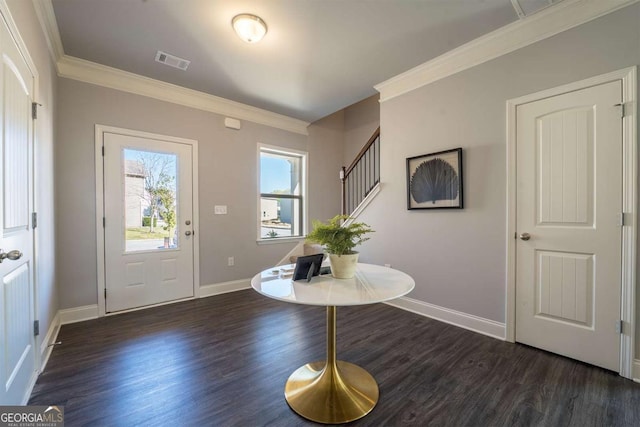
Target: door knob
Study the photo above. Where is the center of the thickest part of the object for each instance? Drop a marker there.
(525, 236)
(12, 255)
(187, 233)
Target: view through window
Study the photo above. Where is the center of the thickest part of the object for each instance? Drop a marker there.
(150, 200)
(281, 193)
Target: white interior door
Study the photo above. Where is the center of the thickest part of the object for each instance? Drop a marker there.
(148, 205)
(17, 342)
(569, 200)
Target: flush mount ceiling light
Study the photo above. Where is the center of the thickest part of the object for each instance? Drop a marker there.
(250, 28)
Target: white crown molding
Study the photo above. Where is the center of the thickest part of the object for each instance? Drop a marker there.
(548, 22)
(113, 78)
(47, 19)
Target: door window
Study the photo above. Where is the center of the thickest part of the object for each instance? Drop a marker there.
(150, 193)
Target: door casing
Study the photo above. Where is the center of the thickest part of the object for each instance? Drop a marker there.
(628, 76)
(100, 130)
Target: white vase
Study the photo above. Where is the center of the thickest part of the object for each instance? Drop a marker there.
(343, 266)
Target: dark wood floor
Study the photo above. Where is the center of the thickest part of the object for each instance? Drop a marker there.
(223, 361)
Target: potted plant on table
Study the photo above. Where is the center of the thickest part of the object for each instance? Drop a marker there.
(339, 240)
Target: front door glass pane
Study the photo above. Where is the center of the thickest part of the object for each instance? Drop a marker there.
(150, 194)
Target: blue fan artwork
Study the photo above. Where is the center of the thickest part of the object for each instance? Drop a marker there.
(435, 179)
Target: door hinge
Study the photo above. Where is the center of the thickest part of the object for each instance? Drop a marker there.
(104, 222)
(34, 219)
(105, 293)
(619, 325)
(623, 108)
(623, 219)
(34, 110)
(36, 328)
(103, 151)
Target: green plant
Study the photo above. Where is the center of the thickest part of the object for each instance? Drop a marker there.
(168, 201)
(339, 239)
(272, 233)
(146, 221)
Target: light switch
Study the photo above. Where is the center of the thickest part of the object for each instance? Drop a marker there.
(220, 209)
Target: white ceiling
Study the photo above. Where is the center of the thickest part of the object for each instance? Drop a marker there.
(318, 56)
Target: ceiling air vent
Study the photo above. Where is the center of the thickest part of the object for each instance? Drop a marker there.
(526, 8)
(172, 61)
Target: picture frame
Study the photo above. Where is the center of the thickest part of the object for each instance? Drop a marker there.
(434, 180)
(307, 267)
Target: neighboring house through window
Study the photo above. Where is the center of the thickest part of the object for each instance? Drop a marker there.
(282, 186)
(134, 193)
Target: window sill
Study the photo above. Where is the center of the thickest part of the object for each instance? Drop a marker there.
(274, 241)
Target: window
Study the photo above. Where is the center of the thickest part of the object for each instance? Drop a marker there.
(150, 199)
(282, 193)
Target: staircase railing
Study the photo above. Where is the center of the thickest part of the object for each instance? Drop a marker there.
(362, 175)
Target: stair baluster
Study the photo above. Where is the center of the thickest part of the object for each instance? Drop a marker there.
(362, 175)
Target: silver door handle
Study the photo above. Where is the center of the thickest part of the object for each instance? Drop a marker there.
(525, 236)
(187, 233)
(12, 255)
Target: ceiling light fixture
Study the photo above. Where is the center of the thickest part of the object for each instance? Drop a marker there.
(250, 28)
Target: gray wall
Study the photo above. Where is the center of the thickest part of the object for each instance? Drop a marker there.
(360, 121)
(325, 142)
(341, 135)
(46, 292)
(458, 257)
(227, 176)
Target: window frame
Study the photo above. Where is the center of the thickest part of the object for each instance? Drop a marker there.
(304, 205)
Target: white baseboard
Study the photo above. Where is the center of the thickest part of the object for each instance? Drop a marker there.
(88, 312)
(636, 370)
(50, 338)
(78, 314)
(457, 318)
(45, 352)
(27, 394)
(224, 287)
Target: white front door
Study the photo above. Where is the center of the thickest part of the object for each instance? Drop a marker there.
(148, 224)
(569, 204)
(17, 342)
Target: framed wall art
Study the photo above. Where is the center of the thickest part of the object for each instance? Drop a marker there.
(434, 181)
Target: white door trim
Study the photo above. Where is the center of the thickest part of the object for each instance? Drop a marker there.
(100, 130)
(629, 201)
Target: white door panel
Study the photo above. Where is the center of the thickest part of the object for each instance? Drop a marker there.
(569, 199)
(17, 342)
(142, 271)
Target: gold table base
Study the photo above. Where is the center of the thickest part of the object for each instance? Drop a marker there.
(331, 392)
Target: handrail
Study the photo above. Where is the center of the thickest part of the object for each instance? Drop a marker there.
(369, 143)
(362, 175)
